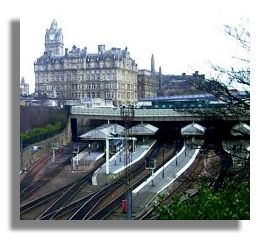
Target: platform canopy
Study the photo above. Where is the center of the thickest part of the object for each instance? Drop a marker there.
(240, 129)
(193, 129)
(103, 132)
(143, 129)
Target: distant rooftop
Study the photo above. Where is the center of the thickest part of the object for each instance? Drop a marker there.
(193, 129)
(103, 132)
(143, 129)
(240, 129)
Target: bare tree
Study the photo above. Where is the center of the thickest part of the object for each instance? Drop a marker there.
(222, 83)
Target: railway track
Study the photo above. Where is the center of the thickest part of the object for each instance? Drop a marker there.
(83, 207)
(109, 206)
(110, 198)
(93, 206)
(70, 192)
(67, 210)
(30, 175)
(34, 178)
(62, 195)
(188, 184)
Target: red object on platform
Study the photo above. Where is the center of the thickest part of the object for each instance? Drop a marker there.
(124, 206)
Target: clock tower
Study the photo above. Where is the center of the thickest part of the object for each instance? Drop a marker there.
(54, 40)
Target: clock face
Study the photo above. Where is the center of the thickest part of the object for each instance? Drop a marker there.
(51, 37)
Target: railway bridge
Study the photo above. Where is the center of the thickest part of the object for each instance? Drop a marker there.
(84, 119)
(150, 115)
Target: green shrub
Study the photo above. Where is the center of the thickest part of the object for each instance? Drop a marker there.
(229, 203)
(39, 134)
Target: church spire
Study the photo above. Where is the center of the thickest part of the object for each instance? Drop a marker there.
(160, 77)
(152, 65)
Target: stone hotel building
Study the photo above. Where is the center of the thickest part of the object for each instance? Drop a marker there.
(77, 74)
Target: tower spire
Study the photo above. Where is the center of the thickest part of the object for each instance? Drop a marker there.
(54, 40)
(152, 65)
(160, 77)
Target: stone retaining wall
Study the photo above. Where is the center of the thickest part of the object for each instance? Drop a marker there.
(28, 156)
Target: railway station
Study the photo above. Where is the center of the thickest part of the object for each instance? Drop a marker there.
(133, 164)
(166, 178)
(118, 156)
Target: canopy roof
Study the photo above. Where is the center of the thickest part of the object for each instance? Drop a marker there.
(240, 129)
(143, 129)
(193, 129)
(103, 132)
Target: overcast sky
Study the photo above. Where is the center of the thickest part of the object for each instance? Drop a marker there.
(183, 35)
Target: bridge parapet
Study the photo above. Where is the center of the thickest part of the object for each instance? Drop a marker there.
(150, 114)
(82, 110)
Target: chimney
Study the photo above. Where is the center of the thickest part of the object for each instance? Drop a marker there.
(101, 48)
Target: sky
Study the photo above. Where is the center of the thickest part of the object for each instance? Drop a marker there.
(184, 36)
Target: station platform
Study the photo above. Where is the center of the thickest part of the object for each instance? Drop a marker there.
(88, 157)
(85, 159)
(161, 183)
(117, 162)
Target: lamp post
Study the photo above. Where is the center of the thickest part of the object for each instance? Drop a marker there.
(176, 161)
(152, 177)
(163, 164)
(152, 168)
(76, 152)
(127, 115)
(54, 147)
(107, 155)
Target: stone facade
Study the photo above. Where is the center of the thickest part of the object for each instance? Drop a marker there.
(183, 84)
(28, 156)
(146, 83)
(77, 74)
(24, 88)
